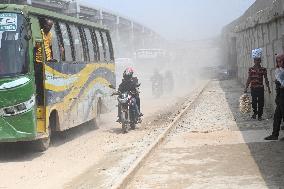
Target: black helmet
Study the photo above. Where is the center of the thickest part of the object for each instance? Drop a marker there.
(128, 73)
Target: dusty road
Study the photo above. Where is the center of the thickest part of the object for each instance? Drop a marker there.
(101, 153)
(214, 146)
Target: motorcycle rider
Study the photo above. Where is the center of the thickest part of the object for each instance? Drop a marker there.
(130, 84)
(168, 81)
(157, 81)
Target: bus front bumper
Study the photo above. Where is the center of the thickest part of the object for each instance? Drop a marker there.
(8, 133)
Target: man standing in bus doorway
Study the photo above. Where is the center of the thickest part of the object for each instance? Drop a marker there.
(47, 38)
(255, 80)
(46, 26)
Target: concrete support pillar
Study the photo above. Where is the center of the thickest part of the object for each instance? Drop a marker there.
(132, 36)
(143, 37)
(117, 29)
(77, 10)
(73, 9)
(101, 17)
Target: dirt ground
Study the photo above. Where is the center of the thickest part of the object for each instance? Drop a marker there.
(87, 156)
(214, 146)
(108, 171)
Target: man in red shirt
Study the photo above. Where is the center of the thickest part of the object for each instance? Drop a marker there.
(255, 80)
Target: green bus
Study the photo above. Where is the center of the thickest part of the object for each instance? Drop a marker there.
(41, 97)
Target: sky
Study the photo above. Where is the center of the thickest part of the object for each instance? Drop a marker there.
(178, 19)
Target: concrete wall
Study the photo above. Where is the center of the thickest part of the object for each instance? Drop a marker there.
(262, 26)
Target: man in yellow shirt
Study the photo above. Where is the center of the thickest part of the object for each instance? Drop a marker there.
(47, 42)
(47, 39)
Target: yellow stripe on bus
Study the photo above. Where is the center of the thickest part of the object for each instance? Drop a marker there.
(57, 88)
(96, 66)
(99, 80)
(67, 101)
(55, 72)
(79, 83)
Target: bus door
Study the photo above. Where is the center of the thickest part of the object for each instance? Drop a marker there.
(39, 81)
(39, 59)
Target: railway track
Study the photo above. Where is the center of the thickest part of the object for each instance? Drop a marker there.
(125, 179)
(210, 144)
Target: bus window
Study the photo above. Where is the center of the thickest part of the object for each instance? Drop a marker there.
(14, 48)
(100, 44)
(110, 46)
(95, 43)
(55, 44)
(106, 47)
(84, 44)
(66, 42)
(79, 56)
(90, 44)
(46, 25)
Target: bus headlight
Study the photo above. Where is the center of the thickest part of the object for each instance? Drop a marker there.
(10, 110)
(19, 108)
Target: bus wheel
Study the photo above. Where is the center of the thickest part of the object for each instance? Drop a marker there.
(99, 109)
(99, 112)
(42, 144)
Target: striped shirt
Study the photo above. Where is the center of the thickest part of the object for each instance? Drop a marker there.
(256, 75)
(47, 41)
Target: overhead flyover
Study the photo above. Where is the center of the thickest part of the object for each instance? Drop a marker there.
(127, 35)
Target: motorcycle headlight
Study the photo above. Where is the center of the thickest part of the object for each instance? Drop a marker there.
(122, 100)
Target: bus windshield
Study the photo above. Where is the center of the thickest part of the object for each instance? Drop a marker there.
(13, 45)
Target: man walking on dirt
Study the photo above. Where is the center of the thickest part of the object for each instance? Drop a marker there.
(255, 80)
(279, 100)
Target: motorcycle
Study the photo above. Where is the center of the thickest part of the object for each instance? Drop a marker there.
(168, 82)
(157, 89)
(127, 110)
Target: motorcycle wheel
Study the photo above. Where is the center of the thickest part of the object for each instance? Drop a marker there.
(124, 128)
(123, 121)
(132, 126)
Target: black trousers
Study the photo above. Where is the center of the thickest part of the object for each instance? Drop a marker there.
(138, 102)
(257, 95)
(278, 115)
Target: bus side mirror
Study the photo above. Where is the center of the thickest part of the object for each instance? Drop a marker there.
(27, 37)
(111, 86)
(28, 25)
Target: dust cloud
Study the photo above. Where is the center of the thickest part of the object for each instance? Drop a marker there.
(190, 37)
(187, 62)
